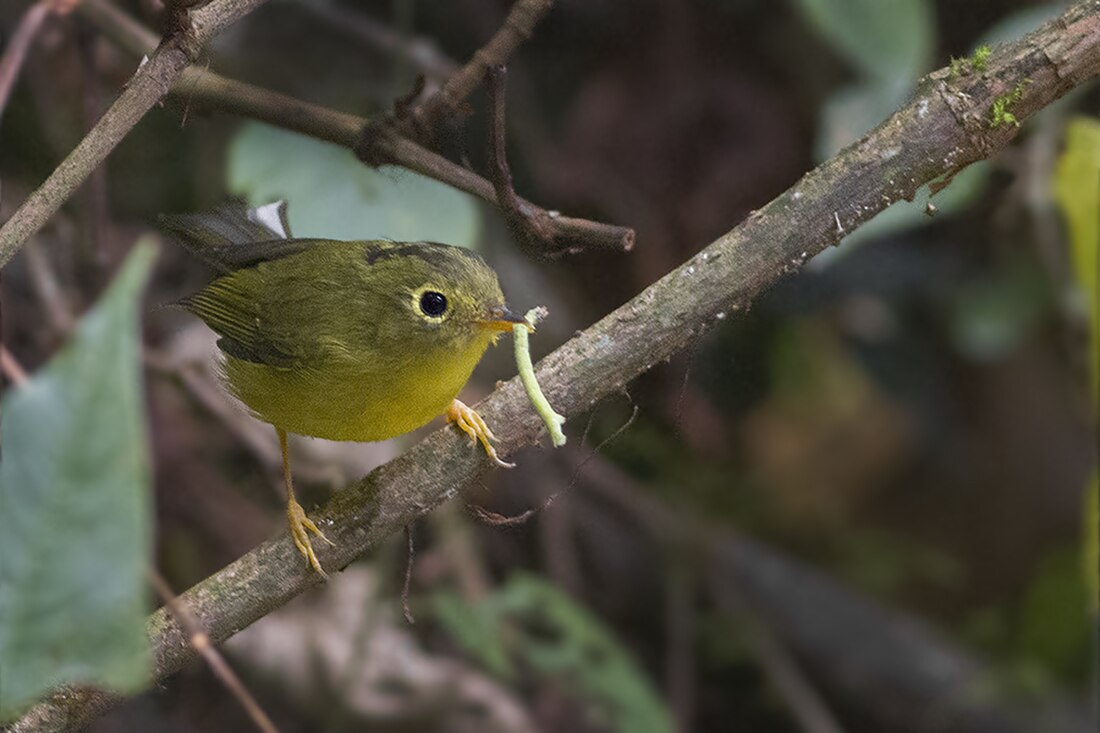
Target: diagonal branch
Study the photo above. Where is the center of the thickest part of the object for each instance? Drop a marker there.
(375, 142)
(944, 127)
(148, 86)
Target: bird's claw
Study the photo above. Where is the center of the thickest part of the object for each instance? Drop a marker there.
(300, 527)
(471, 423)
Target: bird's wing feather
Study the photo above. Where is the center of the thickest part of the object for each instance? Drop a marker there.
(234, 236)
(228, 308)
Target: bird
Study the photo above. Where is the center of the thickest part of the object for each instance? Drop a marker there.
(344, 340)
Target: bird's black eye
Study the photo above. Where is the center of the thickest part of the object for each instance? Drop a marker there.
(433, 304)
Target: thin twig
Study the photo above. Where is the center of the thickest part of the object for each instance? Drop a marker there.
(500, 520)
(921, 142)
(46, 287)
(20, 42)
(406, 587)
(421, 53)
(200, 641)
(531, 227)
(424, 120)
(153, 79)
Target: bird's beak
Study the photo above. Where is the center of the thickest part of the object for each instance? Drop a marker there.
(501, 319)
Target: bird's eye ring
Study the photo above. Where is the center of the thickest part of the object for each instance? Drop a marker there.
(433, 304)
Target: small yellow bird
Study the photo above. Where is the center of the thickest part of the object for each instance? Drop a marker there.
(359, 341)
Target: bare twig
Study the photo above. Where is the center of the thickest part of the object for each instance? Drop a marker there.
(940, 130)
(374, 141)
(149, 84)
(680, 638)
(16, 52)
(11, 369)
(421, 122)
(786, 677)
(20, 42)
(536, 228)
(46, 287)
(406, 586)
(421, 53)
(200, 641)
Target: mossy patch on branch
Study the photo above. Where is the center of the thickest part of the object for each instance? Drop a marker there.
(1000, 113)
(977, 61)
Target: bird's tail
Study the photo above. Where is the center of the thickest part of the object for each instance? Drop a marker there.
(215, 237)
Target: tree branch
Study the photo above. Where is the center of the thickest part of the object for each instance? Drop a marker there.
(375, 142)
(149, 84)
(942, 129)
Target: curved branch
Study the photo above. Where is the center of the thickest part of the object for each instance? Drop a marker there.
(375, 142)
(153, 79)
(942, 129)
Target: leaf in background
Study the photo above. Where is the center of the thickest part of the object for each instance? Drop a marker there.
(333, 195)
(991, 317)
(853, 110)
(476, 628)
(883, 39)
(1020, 23)
(1054, 628)
(1077, 191)
(553, 637)
(74, 502)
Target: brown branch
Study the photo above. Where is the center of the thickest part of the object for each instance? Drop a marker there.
(421, 122)
(374, 141)
(154, 77)
(941, 129)
(200, 642)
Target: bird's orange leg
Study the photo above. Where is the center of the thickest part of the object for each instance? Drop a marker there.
(469, 422)
(300, 524)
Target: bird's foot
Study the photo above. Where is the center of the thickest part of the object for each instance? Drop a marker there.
(300, 527)
(469, 422)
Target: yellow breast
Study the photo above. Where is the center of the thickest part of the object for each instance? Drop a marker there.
(353, 402)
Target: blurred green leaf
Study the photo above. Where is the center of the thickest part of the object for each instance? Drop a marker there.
(552, 636)
(991, 317)
(1054, 627)
(476, 628)
(333, 195)
(1020, 23)
(853, 110)
(74, 497)
(1077, 191)
(883, 39)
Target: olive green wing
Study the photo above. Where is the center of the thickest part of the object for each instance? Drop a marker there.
(232, 306)
(307, 309)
